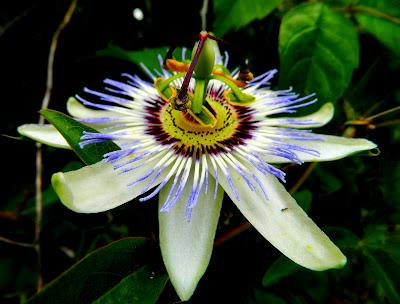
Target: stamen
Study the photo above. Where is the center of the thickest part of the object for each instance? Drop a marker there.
(226, 171)
(167, 206)
(184, 54)
(205, 165)
(215, 176)
(226, 59)
(166, 179)
(181, 186)
(150, 74)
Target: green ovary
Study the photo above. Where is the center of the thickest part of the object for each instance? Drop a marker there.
(189, 132)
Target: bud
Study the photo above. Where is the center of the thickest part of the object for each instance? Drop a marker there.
(206, 60)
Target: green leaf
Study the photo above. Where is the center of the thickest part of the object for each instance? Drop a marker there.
(146, 56)
(233, 15)
(384, 30)
(342, 237)
(304, 199)
(281, 268)
(385, 273)
(381, 237)
(391, 181)
(105, 273)
(72, 131)
(319, 50)
(381, 18)
(262, 297)
(360, 95)
(142, 286)
(328, 182)
(340, 2)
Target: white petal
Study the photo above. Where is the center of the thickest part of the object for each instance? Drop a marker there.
(45, 134)
(314, 120)
(329, 148)
(76, 109)
(186, 246)
(99, 187)
(283, 223)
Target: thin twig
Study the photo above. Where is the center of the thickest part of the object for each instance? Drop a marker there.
(352, 9)
(39, 163)
(9, 24)
(232, 233)
(388, 123)
(372, 117)
(16, 243)
(53, 47)
(203, 15)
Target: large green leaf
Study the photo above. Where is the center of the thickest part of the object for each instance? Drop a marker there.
(304, 199)
(391, 181)
(142, 286)
(116, 271)
(385, 273)
(233, 15)
(327, 181)
(147, 56)
(360, 95)
(72, 131)
(262, 297)
(319, 50)
(342, 237)
(385, 238)
(281, 268)
(385, 30)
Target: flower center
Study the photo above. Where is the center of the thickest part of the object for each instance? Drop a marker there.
(233, 125)
(181, 126)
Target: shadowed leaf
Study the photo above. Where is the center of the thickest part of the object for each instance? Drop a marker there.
(117, 271)
(233, 15)
(72, 131)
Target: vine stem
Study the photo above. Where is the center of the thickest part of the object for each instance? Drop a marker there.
(16, 243)
(39, 158)
(372, 117)
(368, 11)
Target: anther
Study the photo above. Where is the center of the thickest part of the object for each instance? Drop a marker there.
(245, 75)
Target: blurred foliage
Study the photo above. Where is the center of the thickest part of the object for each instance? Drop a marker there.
(347, 51)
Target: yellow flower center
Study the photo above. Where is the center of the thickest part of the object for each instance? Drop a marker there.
(181, 125)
